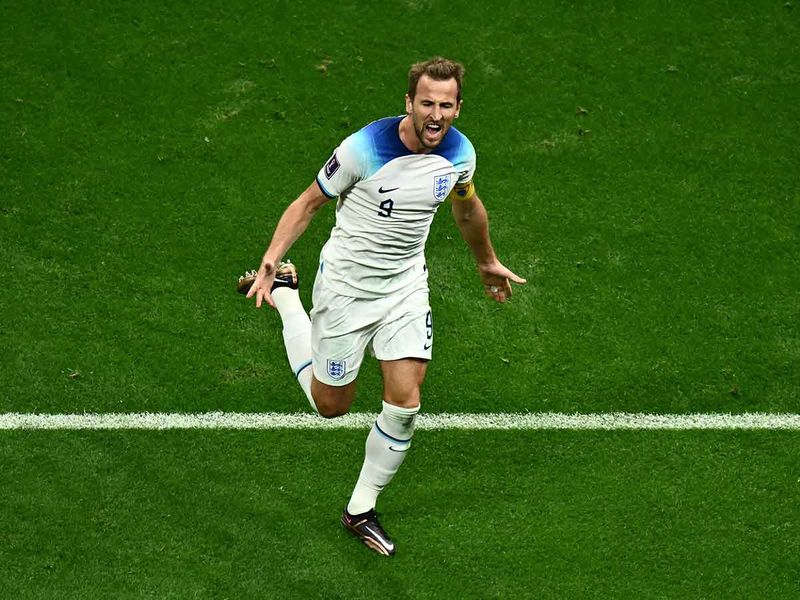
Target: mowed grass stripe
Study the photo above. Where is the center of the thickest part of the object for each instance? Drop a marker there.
(488, 421)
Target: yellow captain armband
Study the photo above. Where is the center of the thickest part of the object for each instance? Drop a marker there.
(462, 191)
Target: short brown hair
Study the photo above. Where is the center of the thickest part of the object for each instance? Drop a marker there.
(438, 69)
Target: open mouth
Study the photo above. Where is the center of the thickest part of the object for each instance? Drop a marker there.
(433, 129)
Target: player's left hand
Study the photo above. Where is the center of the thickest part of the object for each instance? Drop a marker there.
(497, 279)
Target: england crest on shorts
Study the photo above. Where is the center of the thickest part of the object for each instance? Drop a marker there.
(336, 369)
(441, 186)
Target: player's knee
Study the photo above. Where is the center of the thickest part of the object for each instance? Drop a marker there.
(330, 403)
(330, 410)
(407, 398)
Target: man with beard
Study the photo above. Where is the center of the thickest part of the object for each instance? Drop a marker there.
(371, 288)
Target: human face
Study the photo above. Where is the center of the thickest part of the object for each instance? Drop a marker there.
(433, 109)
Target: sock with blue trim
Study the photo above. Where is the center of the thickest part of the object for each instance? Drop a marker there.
(387, 445)
(296, 337)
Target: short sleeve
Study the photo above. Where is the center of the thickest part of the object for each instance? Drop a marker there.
(343, 169)
(466, 163)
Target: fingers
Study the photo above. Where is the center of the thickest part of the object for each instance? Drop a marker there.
(498, 293)
(261, 290)
(510, 275)
(499, 270)
(262, 285)
(268, 299)
(499, 288)
(262, 295)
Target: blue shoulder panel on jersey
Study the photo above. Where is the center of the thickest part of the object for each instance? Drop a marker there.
(455, 147)
(380, 142)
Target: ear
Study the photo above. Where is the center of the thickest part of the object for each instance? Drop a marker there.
(409, 105)
(458, 110)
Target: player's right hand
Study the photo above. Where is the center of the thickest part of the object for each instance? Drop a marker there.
(263, 284)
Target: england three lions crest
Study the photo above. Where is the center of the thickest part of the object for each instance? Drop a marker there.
(336, 369)
(441, 186)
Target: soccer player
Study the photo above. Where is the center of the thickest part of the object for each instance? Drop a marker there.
(371, 288)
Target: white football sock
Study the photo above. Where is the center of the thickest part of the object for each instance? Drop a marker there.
(296, 337)
(387, 445)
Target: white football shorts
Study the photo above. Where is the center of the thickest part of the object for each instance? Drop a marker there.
(342, 328)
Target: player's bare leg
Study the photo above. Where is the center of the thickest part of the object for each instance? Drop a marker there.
(331, 400)
(387, 444)
(402, 380)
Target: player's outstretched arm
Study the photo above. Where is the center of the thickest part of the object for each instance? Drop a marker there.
(292, 224)
(472, 220)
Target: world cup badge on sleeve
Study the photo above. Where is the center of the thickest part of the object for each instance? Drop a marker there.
(331, 166)
(441, 186)
(336, 369)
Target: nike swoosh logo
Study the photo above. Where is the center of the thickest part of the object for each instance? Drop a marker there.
(383, 191)
(386, 543)
(427, 346)
(393, 449)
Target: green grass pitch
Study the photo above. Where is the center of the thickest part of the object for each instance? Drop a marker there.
(639, 164)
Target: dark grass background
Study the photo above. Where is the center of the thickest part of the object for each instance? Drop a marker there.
(228, 514)
(549, 523)
(639, 163)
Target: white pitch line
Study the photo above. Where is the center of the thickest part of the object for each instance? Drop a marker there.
(484, 421)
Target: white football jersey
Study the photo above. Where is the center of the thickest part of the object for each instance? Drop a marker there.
(387, 198)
